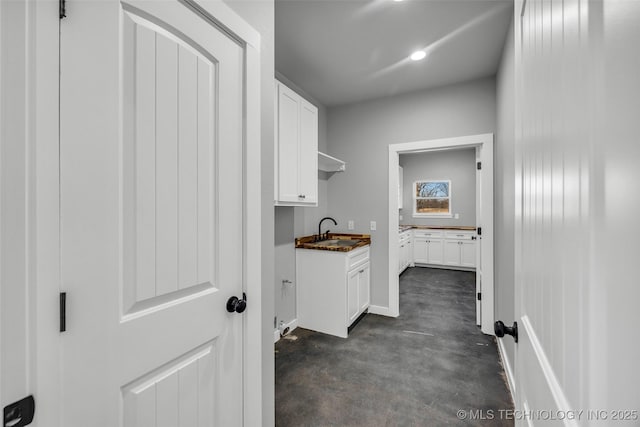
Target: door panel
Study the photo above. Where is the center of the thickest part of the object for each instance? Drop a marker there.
(151, 123)
(352, 295)
(467, 254)
(420, 250)
(363, 287)
(167, 165)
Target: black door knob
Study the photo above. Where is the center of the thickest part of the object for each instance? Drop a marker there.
(502, 330)
(236, 304)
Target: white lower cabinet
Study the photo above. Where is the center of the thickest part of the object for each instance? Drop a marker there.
(427, 247)
(333, 289)
(460, 249)
(454, 248)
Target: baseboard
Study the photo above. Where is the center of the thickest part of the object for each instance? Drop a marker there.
(291, 325)
(557, 393)
(507, 368)
(382, 311)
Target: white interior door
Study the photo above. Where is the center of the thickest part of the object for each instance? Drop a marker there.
(151, 216)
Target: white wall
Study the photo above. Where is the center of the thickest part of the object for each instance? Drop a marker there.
(360, 134)
(296, 222)
(458, 166)
(504, 209)
(260, 15)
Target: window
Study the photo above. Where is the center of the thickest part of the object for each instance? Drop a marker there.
(432, 198)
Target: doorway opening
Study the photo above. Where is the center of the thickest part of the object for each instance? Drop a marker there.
(483, 145)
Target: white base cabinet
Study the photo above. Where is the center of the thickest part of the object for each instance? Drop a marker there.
(460, 249)
(450, 248)
(427, 247)
(333, 289)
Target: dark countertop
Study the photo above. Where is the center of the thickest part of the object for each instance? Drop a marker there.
(309, 242)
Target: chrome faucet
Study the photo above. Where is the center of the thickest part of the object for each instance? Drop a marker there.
(326, 234)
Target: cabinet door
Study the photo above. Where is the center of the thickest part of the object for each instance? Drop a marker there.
(352, 295)
(435, 251)
(287, 145)
(308, 152)
(452, 252)
(420, 250)
(468, 254)
(363, 287)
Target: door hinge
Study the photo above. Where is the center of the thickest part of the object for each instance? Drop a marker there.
(63, 311)
(479, 296)
(62, 8)
(479, 231)
(275, 322)
(19, 413)
(479, 165)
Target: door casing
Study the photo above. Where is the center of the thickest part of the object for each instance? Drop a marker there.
(484, 149)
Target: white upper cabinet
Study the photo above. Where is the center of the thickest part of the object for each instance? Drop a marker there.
(296, 154)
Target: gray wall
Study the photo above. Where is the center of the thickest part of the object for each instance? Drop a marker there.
(295, 222)
(360, 135)
(458, 166)
(260, 15)
(504, 209)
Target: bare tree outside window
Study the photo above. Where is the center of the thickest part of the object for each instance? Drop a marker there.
(432, 198)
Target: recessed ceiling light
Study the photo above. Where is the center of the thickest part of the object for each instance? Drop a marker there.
(397, 0)
(418, 55)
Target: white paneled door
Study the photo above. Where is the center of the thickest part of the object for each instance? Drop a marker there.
(151, 175)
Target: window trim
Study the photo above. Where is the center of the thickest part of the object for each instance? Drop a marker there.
(416, 214)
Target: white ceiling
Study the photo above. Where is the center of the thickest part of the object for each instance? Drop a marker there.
(346, 51)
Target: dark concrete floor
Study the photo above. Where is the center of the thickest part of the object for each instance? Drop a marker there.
(417, 370)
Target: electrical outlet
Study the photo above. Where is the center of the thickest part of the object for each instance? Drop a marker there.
(457, 216)
(350, 225)
(373, 226)
(400, 218)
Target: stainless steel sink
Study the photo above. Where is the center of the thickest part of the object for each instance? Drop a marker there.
(336, 242)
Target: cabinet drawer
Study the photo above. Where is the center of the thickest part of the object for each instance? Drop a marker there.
(460, 235)
(427, 233)
(357, 257)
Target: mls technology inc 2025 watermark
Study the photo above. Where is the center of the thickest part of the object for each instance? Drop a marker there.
(622, 415)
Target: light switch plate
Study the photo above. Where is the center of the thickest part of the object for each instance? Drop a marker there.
(350, 225)
(457, 216)
(373, 226)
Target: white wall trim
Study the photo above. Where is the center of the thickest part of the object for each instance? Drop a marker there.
(562, 403)
(292, 325)
(253, 331)
(507, 368)
(484, 218)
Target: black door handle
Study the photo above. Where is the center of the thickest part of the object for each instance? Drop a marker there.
(236, 304)
(500, 330)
